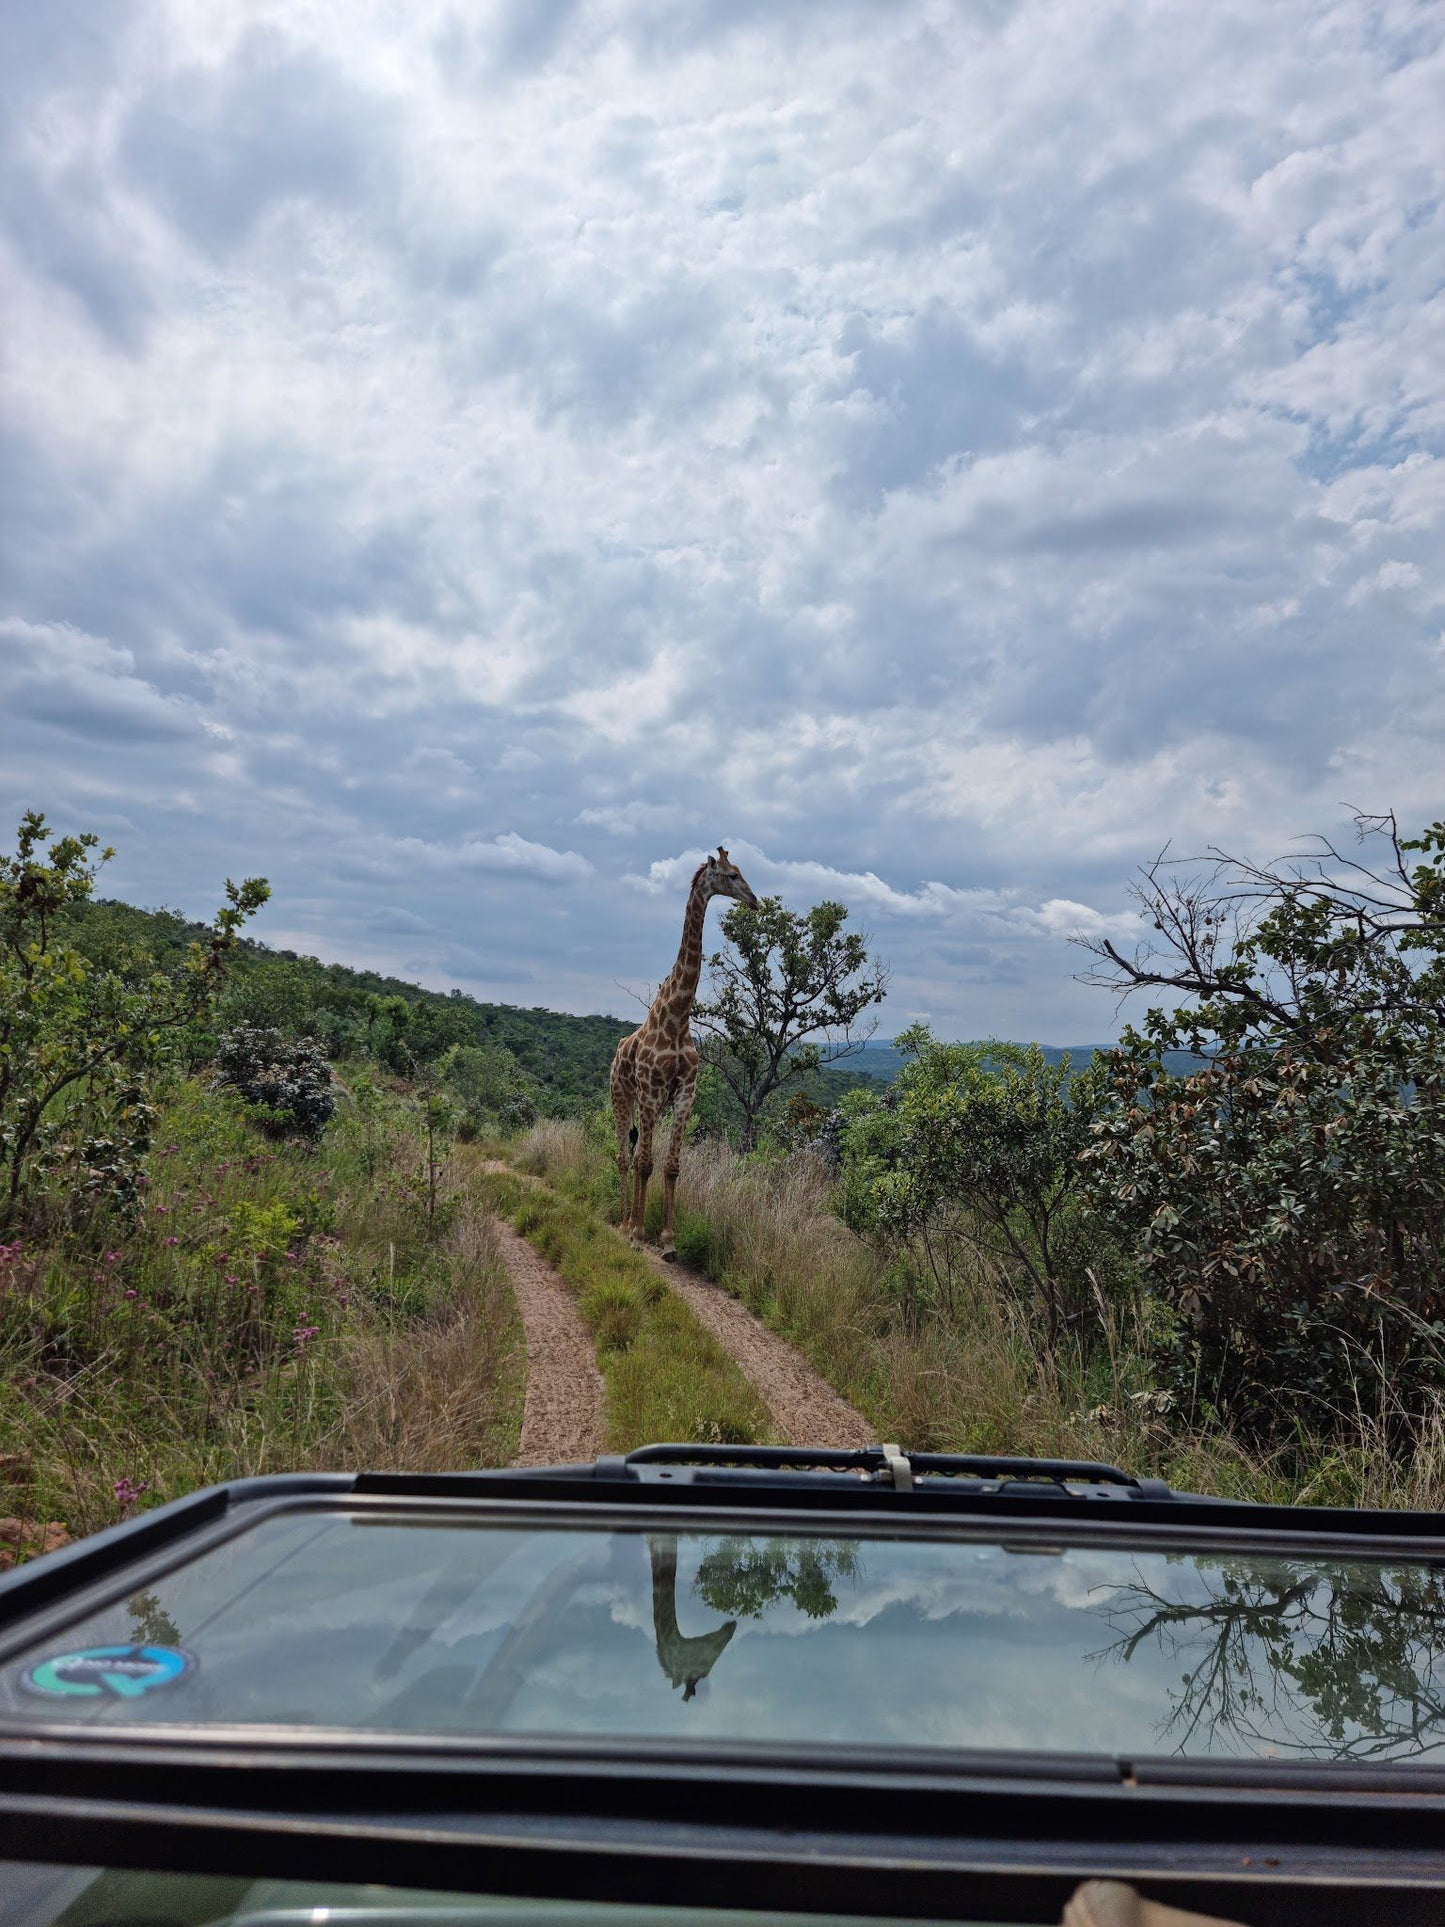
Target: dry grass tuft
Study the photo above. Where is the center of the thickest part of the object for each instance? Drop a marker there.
(443, 1394)
(557, 1149)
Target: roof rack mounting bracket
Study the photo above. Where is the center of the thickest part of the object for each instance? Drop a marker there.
(899, 1469)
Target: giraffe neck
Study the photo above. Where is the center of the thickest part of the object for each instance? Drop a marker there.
(673, 1004)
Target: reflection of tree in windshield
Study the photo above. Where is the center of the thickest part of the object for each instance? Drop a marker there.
(1337, 1662)
(150, 1623)
(745, 1576)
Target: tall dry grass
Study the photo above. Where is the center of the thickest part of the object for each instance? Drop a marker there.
(273, 1307)
(444, 1392)
(974, 1378)
(560, 1150)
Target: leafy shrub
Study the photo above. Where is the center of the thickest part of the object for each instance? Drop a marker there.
(1288, 1198)
(287, 1078)
(81, 1034)
(492, 1088)
(973, 1155)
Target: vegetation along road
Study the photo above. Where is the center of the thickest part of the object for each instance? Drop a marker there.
(252, 1217)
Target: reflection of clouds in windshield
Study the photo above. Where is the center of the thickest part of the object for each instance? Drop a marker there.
(986, 1581)
(756, 1637)
(982, 1647)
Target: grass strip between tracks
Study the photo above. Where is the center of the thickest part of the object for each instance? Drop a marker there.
(666, 1377)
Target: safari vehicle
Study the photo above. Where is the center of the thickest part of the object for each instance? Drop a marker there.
(722, 1685)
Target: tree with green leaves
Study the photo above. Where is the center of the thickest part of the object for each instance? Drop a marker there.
(79, 1038)
(1288, 1198)
(491, 1085)
(975, 1153)
(789, 993)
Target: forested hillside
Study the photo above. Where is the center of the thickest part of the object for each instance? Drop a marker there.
(564, 1059)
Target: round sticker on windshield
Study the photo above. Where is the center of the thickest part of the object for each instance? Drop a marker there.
(109, 1672)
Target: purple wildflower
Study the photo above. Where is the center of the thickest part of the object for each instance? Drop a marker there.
(127, 1491)
(303, 1334)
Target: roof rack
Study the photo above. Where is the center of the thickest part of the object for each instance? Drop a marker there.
(883, 1465)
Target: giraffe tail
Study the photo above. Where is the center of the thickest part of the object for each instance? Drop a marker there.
(632, 1137)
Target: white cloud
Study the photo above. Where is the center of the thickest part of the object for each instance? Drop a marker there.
(505, 852)
(961, 449)
(626, 819)
(1001, 914)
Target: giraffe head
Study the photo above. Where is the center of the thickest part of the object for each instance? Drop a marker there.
(721, 877)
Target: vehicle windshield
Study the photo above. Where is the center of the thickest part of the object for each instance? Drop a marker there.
(54, 1896)
(324, 1620)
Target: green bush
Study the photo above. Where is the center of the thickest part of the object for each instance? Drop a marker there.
(83, 1035)
(974, 1155)
(287, 1080)
(1288, 1198)
(494, 1092)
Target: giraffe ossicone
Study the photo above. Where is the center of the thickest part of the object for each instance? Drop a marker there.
(655, 1066)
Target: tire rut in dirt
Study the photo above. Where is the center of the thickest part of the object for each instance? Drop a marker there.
(802, 1405)
(562, 1414)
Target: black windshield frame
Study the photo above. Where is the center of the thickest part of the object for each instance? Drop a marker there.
(883, 1830)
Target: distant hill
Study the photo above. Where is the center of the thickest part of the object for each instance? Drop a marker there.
(566, 1059)
(882, 1060)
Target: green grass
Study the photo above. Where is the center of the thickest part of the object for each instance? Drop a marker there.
(272, 1306)
(666, 1378)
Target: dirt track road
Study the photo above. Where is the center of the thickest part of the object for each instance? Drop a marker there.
(562, 1411)
(562, 1418)
(803, 1406)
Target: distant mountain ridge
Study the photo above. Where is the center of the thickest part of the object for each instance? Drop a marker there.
(882, 1059)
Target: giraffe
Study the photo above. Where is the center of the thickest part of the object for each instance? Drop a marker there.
(656, 1065)
(686, 1661)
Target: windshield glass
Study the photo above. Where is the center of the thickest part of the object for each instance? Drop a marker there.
(327, 1620)
(53, 1896)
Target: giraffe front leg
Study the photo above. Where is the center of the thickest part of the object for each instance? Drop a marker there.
(622, 1108)
(641, 1172)
(682, 1111)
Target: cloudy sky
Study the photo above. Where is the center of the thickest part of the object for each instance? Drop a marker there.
(462, 461)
